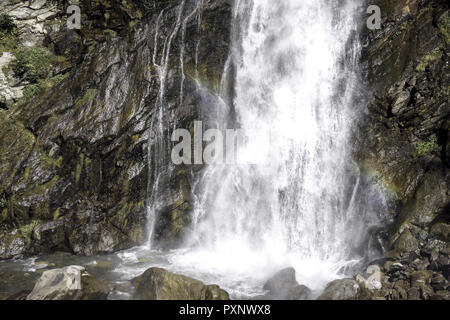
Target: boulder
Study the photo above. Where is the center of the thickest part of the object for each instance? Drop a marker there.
(341, 289)
(69, 283)
(284, 286)
(160, 284)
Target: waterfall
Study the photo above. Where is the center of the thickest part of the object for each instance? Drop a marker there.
(301, 202)
(158, 148)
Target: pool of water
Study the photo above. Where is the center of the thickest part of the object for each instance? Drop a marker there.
(242, 279)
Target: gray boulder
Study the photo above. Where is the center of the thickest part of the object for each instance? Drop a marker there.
(341, 289)
(284, 286)
(159, 284)
(69, 283)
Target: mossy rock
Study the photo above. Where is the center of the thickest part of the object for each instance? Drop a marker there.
(159, 284)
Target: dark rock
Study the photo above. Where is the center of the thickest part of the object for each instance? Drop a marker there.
(69, 283)
(284, 286)
(396, 267)
(341, 289)
(22, 295)
(159, 284)
(405, 137)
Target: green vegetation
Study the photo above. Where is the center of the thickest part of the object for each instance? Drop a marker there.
(402, 28)
(41, 86)
(87, 98)
(427, 147)
(444, 30)
(34, 63)
(8, 34)
(432, 57)
(3, 201)
(6, 23)
(110, 34)
(27, 230)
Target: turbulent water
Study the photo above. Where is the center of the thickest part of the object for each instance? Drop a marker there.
(295, 197)
(301, 202)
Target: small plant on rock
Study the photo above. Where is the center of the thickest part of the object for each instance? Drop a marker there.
(427, 147)
(6, 23)
(8, 34)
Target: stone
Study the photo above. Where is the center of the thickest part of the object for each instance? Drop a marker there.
(401, 102)
(442, 295)
(413, 294)
(50, 234)
(406, 242)
(160, 284)
(341, 289)
(97, 238)
(8, 92)
(284, 286)
(68, 283)
(13, 244)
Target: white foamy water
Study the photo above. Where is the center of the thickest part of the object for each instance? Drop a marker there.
(301, 204)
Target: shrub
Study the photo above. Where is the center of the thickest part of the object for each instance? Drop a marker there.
(6, 23)
(41, 86)
(34, 63)
(8, 34)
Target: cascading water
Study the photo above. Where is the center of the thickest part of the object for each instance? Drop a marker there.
(301, 202)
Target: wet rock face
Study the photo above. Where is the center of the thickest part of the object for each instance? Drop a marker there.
(69, 283)
(159, 284)
(404, 140)
(35, 19)
(284, 286)
(75, 155)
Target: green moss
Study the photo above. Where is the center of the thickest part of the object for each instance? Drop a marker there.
(79, 168)
(8, 34)
(87, 98)
(26, 174)
(43, 188)
(56, 213)
(41, 86)
(432, 57)
(50, 163)
(444, 30)
(26, 230)
(427, 147)
(123, 213)
(8, 41)
(403, 27)
(3, 201)
(4, 215)
(15, 144)
(424, 11)
(132, 23)
(110, 34)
